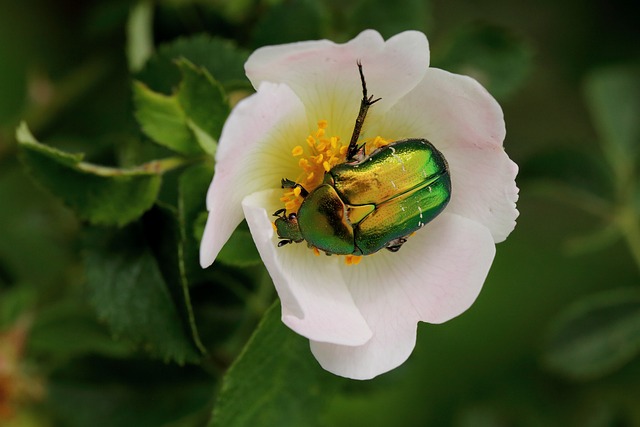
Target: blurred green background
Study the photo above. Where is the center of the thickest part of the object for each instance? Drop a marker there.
(554, 336)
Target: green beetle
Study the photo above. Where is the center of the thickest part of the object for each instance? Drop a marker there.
(370, 202)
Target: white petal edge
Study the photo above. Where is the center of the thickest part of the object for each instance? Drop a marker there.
(434, 277)
(458, 116)
(316, 302)
(325, 76)
(253, 155)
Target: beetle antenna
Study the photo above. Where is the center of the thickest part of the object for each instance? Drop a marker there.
(365, 103)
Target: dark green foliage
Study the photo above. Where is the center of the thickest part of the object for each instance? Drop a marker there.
(274, 381)
(595, 335)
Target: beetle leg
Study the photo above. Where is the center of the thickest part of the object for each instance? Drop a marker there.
(280, 212)
(281, 243)
(365, 103)
(287, 183)
(396, 244)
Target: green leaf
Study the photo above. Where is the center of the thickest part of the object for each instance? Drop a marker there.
(68, 329)
(204, 102)
(240, 250)
(128, 291)
(192, 192)
(282, 23)
(102, 195)
(575, 177)
(613, 96)
(596, 335)
(163, 119)
(274, 382)
(493, 55)
(163, 234)
(188, 121)
(584, 170)
(221, 58)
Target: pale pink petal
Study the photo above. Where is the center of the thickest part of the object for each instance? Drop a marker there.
(254, 154)
(466, 124)
(325, 76)
(316, 302)
(435, 276)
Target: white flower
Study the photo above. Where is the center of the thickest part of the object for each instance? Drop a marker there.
(362, 319)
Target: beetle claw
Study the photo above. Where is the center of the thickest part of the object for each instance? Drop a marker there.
(280, 212)
(396, 244)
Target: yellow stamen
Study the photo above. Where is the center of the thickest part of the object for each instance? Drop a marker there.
(352, 259)
(291, 205)
(297, 151)
(316, 251)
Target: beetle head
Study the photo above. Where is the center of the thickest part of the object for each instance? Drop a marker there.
(287, 228)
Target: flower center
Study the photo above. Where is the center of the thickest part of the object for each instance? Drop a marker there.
(317, 157)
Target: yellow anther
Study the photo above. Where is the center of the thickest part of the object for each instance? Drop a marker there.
(297, 191)
(320, 133)
(303, 163)
(311, 141)
(316, 251)
(322, 124)
(322, 146)
(319, 158)
(326, 166)
(297, 151)
(291, 205)
(352, 259)
(310, 176)
(343, 150)
(334, 142)
(273, 224)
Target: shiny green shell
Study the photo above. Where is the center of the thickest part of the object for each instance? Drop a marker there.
(364, 206)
